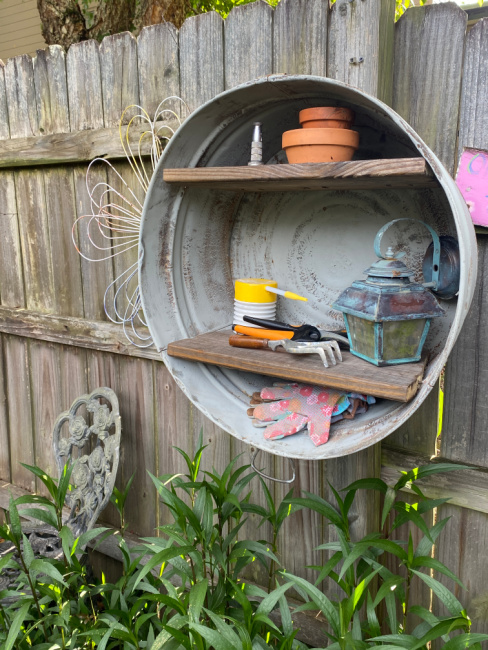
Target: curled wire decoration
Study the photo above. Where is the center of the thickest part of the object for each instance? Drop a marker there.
(112, 228)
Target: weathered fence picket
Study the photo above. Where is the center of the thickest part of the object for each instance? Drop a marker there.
(419, 67)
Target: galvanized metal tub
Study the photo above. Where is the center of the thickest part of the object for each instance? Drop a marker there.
(195, 241)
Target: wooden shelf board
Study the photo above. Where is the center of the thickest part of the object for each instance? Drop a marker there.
(399, 382)
(356, 174)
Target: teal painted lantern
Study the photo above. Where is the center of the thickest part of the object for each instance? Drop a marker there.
(387, 316)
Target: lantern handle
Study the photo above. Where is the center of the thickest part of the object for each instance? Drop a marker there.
(436, 252)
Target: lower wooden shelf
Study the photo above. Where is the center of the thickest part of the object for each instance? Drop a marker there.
(399, 382)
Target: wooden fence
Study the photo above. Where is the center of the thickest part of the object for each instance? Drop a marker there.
(60, 109)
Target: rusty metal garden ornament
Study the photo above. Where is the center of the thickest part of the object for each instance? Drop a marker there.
(387, 315)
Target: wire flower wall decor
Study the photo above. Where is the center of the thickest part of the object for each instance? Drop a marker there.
(112, 227)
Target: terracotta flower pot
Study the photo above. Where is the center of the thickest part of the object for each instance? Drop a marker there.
(319, 145)
(326, 117)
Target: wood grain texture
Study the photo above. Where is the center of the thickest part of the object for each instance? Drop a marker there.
(138, 450)
(157, 51)
(427, 96)
(30, 192)
(467, 488)
(45, 377)
(399, 382)
(84, 86)
(360, 45)
(53, 110)
(21, 98)
(465, 409)
(300, 37)
(103, 370)
(12, 292)
(248, 43)
(120, 88)
(51, 90)
(4, 128)
(201, 41)
(86, 112)
(96, 335)
(11, 280)
(19, 399)
(357, 174)
(4, 421)
(80, 146)
(473, 118)
(120, 80)
(462, 547)
(419, 433)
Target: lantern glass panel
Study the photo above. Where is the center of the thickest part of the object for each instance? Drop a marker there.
(362, 334)
(401, 338)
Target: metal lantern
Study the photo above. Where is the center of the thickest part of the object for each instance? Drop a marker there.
(387, 316)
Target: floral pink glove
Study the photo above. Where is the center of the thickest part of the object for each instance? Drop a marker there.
(294, 407)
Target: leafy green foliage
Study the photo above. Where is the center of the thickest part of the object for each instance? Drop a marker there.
(186, 589)
(375, 609)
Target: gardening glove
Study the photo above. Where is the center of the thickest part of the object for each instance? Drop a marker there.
(296, 406)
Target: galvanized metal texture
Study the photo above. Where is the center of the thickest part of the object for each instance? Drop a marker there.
(194, 242)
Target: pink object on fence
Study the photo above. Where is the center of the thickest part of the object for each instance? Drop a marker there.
(472, 180)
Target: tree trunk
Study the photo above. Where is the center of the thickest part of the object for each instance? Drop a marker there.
(62, 22)
(112, 17)
(152, 12)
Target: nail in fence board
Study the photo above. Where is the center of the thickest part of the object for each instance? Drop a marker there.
(201, 40)
(360, 45)
(427, 95)
(300, 37)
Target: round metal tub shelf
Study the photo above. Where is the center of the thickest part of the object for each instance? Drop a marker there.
(195, 240)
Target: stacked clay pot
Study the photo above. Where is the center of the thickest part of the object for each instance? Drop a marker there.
(325, 136)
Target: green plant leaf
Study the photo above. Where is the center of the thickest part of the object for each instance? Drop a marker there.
(433, 563)
(47, 516)
(390, 496)
(196, 599)
(465, 641)
(418, 473)
(27, 551)
(368, 484)
(224, 630)
(14, 519)
(44, 477)
(268, 603)
(320, 600)
(321, 506)
(426, 543)
(214, 638)
(43, 566)
(87, 537)
(443, 593)
(161, 557)
(380, 544)
(17, 624)
(440, 629)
